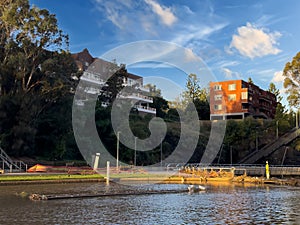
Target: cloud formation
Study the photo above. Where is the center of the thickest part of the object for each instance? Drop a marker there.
(229, 74)
(166, 15)
(253, 42)
(278, 77)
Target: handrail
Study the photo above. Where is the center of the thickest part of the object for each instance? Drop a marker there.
(271, 147)
(6, 160)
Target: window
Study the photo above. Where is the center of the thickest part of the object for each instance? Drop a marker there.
(244, 95)
(218, 87)
(218, 107)
(218, 97)
(232, 97)
(244, 106)
(232, 87)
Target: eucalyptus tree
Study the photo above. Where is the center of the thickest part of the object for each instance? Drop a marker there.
(291, 83)
(35, 78)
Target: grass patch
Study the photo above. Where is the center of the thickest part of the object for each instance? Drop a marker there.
(34, 177)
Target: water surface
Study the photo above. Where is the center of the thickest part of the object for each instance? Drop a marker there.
(220, 204)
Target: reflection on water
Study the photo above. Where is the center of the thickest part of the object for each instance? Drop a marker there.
(220, 204)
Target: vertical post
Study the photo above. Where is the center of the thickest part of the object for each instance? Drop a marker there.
(135, 138)
(161, 155)
(267, 171)
(277, 133)
(118, 145)
(297, 123)
(10, 168)
(256, 140)
(96, 161)
(107, 172)
(230, 155)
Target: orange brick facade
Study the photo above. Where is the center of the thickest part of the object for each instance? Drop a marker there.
(237, 99)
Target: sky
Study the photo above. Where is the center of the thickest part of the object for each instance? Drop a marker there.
(235, 39)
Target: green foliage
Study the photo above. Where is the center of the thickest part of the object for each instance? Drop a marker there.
(291, 83)
(196, 95)
(250, 81)
(36, 84)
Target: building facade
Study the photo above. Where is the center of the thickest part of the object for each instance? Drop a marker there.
(237, 99)
(95, 76)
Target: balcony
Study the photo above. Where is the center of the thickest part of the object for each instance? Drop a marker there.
(92, 91)
(92, 78)
(137, 96)
(145, 109)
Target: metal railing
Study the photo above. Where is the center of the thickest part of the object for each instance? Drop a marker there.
(268, 149)
(8, 164)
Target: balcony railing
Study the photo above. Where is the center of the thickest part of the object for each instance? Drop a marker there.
(138, 97)
(93, 78)
(145, 109)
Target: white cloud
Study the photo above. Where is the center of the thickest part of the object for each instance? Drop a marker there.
(196, 32)
(278, 77)
(190, 55)
(113, 11)
(229, 74)
(165, 13)
(254, 42)
(226, 63)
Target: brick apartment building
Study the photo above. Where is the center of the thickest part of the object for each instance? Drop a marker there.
(237, 99)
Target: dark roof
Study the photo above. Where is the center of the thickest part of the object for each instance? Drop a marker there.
(133, 76)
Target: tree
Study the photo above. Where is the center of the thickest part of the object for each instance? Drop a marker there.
(35, 83)
(280, 109)
(250, 81)
(196, 95)
(291, 83)
(154, 91)
(25, 34)
(193, 89)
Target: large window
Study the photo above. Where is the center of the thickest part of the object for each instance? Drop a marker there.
(244, 95)
(218, 97)
(232, 87)
(218, 87)
(232, 97)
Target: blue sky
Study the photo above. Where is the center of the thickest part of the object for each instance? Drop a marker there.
(236, 39)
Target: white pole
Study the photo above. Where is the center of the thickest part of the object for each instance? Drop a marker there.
(118, 145)
(96, 163)
(107, 172)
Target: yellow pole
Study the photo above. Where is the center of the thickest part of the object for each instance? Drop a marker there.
(267, 171)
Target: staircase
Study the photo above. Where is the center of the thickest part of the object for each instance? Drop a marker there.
(272, 147)
(7, 162)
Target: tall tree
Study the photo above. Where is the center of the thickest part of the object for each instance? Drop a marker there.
(26, 33)
(250, 81)
(193, 89)
(291, 83)
(196, 95)
(280, 109)
(35, 82)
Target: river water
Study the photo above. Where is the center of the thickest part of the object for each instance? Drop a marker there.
(219, 204)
